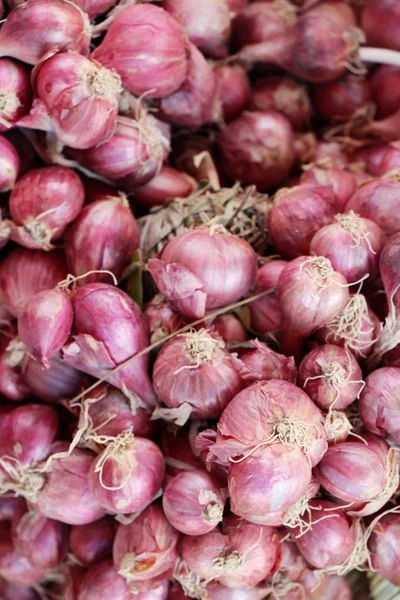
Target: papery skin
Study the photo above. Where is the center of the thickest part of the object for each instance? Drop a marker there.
(93, 542)
(16, 88)
(15, 567)
(137, 479)
(384, 547)
(12, 383)
(379, 201)
(323, 392)
(109, 329)
(191, 282)
(128, 47)
(233, 90)
(65, 495)
(9, 162)
(254, 548)
(379, 404)
(41, 23)
(160, 317)
(52, 197)
(24, 272)
(45, 324)
(103, 237)
(341, 182)
(193, 502)
(265, 312)
(297, 214)
(261, 363)
(53, 383)
(146, 548)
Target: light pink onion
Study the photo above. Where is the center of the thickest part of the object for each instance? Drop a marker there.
(128, 48)
(194, 374)
(342, 99)
(260, 363)
(93, 542)
(193, 502)
(296, 216)
(80, 96)
(58, 381)
(167, 184)
(14, 567)
(378, 404)
(102, 238)
(384, 547)
(352, 244)
(240, 554)
(12, 383)
(331, 376)
(191, 279)
(257, 148)
(379, 201)
(10, 163)
(42, 26)
(379, 20)
(109, 328)
(230, 328)
(265, 312)
(24, 273)
(146, 548)
(341, 182)
(233, 90)
(126, 475)
(160, 318)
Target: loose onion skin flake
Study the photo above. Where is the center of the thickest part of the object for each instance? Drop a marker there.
(258, 362)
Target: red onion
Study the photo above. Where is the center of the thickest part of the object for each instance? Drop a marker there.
(260, 363)
(178, 451)
(331, 377)
(193, 503)
(191, 280)
(128, 48)
(362, 476)
(214, 591)
(333, 587)
(378, 405)
(384, 84)
(207, 25)
(379, 201)
(341, 182)
(100, 580)
(194, 374)
(230, 328)
(131, 156)
(10, 162)
(316, 47)
(344, 99)
(379, 20)
(193, 103)
(257, 148)
(167, 184)
(81, 98)
(154, 589)
(160, 318)
(292, 563)
(11, 507)
(102, 238)
(24, 273)
(265, 312)
(146, 548)
(236, 5)
(385, 549)
(390, 271)
(126, 475)
(355, 327)
(42, 204)
(42, 26)
(12, 383)
(43, 541)
(73, 578)
(286, 95)
(262, 21)
(370, 157)
(352, 244)
(15, 567)
(93, 542)
(109, 329)
(63, 493)
(241, 554)
(296, 215)
(57, 381)
(11, 591)
(233, 90)
(331, 153)
(45, 324)
(391, 159)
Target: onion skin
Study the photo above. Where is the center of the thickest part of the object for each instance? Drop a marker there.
(379, 201)
(257, 148)
(59, 380)
(319, 363)
(41, 24)
(146, 548)
(341, 182)
(167, 184)
(12, 383)
(128, 48)
(385, 13)
(261, 363)
(378, 405)
(24, 273)
(384, 548)
(341, 100)
(16, 90)
(265, 312)
(110, 328)
(10, 163)
(297, 214)
(191, 281)
(93, 542)
(233, 90)
(103, 237)
(160, 318)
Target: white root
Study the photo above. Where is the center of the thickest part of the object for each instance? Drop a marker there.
(192, 585)
(26, 481)
(200, 348)
(119, 450)
(353, 225)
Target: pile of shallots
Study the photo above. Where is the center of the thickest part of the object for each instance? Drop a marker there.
(199, 299)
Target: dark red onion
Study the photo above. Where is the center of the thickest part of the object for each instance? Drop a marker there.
(378, 406)
(260, 363)
(379, 20)
(265, 312)
(285, 95)
(262, 21)
(343, 99)
(379, 201)
(11, 591)
(384, 548)
(100, 580)
(233, 90)
(128, 48)
(42, 26)
(384, 83)
(73, 578)
(14, 567)
(236, 5)
(58, 381)
(179, 451)
(230, 328)
(297, 214)
(167, 184)
(93, 542)
(12, 383)
(10, 163)
(341, 182)
(207, 25)
(11, 507)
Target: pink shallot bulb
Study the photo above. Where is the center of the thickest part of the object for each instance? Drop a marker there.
(167, 184)
(265, 312)
(93, 542)
(262, 21)
(379, 201)
(16, 92)
(156, 70)
(44, 25)
(42, 204)
(189, 276)
(193, 502)
(14, 566)
(379, 20)
(230, 328)
(233, 90)
(10, 591)
(160, 318)
(384, 548)
(384, 84)
(95, 8)
(102, 580)
(10, 164)
(58, 380)
(102, 238)
(378, 404)
(341, 182)
(343, 99)
(80, 96)
(146, 548)
(195, 375)
(109, 328)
